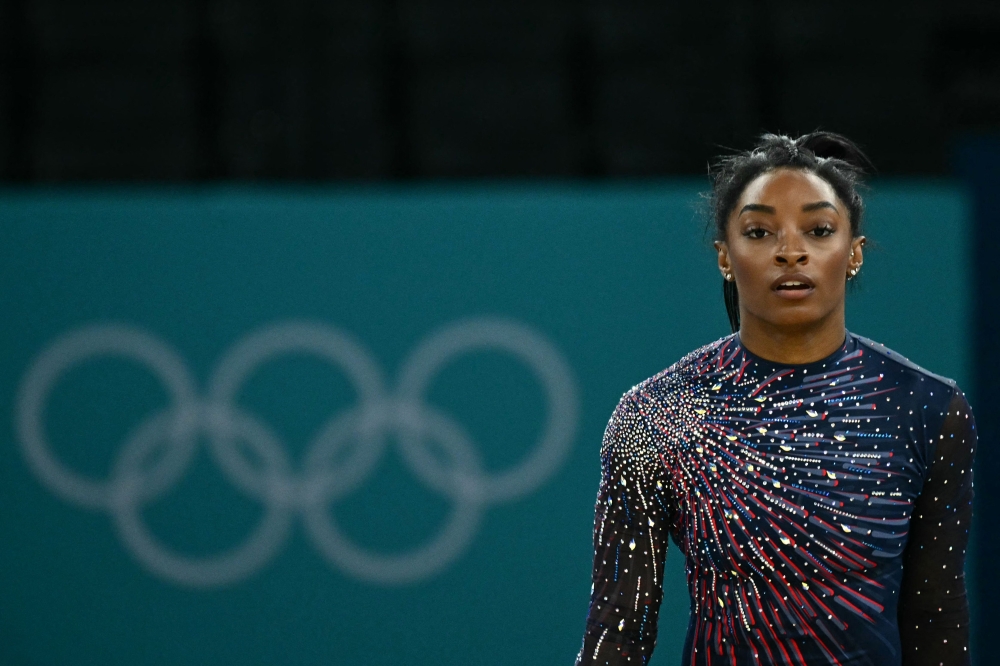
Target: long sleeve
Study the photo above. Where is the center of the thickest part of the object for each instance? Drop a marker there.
(933, 608)
(630, 543)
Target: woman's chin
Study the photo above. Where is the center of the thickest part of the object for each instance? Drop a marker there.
(794, 315)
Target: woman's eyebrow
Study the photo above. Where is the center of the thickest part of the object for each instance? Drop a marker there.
(760, 208)
(817, 205)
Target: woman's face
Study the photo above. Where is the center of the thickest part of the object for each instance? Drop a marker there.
(789, 247)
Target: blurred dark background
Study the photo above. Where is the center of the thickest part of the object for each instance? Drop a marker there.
(160, 90)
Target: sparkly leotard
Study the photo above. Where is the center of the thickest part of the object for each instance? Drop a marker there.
(823, 511)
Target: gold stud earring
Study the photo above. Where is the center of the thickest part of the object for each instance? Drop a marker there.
(728, 277)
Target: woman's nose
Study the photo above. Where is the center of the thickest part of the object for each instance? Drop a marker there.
(791, 251)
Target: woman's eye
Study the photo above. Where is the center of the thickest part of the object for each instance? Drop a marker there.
(755, 232)
(823, 231)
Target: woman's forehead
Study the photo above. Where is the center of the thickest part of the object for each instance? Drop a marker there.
(785, 185)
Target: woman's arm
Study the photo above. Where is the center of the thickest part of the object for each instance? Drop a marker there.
(933, 608)
(630, 543)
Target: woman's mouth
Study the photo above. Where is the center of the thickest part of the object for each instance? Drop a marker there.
(793, 289)
(793, 286)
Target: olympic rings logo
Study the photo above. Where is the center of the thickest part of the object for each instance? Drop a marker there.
(157, 453)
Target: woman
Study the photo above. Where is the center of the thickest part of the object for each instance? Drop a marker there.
(818, 484)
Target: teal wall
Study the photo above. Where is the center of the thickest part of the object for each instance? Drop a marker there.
(137, 526)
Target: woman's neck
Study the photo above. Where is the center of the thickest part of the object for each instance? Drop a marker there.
(792, 345)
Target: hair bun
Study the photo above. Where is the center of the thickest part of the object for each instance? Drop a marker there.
(830, 145)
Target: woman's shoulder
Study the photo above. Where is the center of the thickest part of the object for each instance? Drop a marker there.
(905, 371)
(671, 377)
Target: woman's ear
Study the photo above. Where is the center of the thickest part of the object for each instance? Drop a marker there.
(857, 256)
(724, 267)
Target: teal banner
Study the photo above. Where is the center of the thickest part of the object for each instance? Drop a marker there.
(328, 426)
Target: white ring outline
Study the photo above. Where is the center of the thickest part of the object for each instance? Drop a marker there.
(230, 565)
(71, 350)
(271, 342)
(426, 559)
(550, 370)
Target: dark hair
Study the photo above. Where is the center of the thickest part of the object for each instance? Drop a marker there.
(832, 157)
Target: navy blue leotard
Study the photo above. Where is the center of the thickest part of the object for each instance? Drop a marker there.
(823, 511)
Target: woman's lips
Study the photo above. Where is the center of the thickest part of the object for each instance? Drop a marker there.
(793, 287)
(794, 294)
